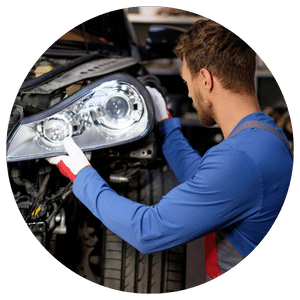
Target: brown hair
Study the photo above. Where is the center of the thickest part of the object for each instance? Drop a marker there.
(211, 46)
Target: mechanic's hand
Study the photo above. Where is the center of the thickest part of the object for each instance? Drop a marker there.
(162, 112)
(70, 165)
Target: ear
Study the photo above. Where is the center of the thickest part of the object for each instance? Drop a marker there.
(207, 79)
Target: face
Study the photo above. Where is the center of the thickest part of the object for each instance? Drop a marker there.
(202, 105)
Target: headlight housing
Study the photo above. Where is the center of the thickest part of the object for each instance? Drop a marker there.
(114, 110)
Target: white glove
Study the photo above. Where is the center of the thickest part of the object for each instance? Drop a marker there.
(162, 112)
(70, 165)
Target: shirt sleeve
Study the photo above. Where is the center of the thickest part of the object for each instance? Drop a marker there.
(219, 194)
(181, 157)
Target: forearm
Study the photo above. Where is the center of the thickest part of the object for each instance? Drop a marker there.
(182, 158)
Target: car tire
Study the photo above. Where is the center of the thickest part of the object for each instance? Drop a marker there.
(126, 269)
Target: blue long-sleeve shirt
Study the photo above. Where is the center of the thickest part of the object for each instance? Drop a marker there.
(238, 187)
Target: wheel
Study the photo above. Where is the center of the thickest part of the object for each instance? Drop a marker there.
(125, 268)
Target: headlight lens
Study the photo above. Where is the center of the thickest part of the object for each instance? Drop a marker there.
(114, 110)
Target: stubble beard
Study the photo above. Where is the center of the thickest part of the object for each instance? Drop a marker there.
(204, 111)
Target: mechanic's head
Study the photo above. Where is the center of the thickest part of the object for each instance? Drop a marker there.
(211, 46)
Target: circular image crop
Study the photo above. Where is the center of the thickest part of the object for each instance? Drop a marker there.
(143, 146)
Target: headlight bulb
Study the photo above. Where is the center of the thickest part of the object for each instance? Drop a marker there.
(55, 129)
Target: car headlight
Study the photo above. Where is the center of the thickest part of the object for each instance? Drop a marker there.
(114, 110)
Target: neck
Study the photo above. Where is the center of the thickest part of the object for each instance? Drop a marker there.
(230, 109)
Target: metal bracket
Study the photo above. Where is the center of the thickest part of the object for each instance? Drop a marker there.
(37, 227)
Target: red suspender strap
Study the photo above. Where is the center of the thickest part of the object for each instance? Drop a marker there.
(211, 256)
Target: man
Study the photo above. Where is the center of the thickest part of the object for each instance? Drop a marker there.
(233, 194)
